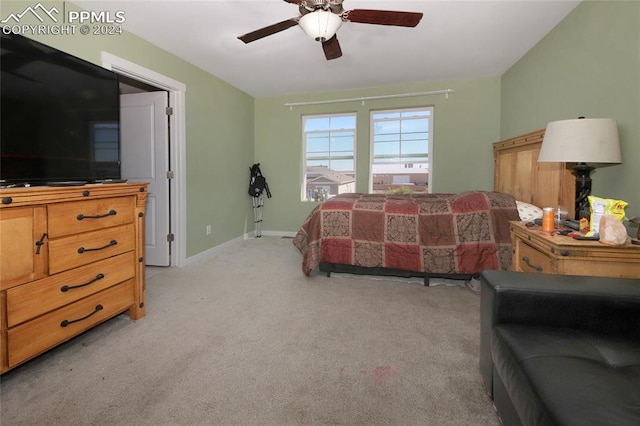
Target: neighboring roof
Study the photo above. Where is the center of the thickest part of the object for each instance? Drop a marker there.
(332, 178)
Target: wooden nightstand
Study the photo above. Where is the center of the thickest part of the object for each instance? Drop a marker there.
(536, 251)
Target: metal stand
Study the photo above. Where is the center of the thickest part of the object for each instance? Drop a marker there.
(258, 204)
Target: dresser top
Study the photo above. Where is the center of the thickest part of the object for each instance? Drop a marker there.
(11, 197)
(536, 232)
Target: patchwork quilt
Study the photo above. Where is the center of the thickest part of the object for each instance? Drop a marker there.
(461, 233)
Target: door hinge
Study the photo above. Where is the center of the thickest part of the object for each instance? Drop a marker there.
(170, 174)
(170, 238)
(169, 111)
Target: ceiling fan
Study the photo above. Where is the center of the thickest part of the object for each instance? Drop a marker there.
(320, 19)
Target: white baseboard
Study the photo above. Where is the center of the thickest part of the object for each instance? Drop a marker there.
(204, 254)
(248, 236)
(279, 234)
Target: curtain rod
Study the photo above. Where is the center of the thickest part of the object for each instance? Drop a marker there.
(369, 98)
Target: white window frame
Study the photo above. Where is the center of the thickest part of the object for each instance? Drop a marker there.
(303, 184)
(429, 141)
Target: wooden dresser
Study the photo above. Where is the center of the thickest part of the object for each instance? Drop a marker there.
(537, 251)
(70, 258)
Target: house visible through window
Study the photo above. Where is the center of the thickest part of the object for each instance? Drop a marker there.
(329, 147)
(401, 150)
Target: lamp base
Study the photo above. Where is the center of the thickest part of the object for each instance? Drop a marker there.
(582, 171)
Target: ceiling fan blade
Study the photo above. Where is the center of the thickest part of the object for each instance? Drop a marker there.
(293, 1)
(331, 48)
(267, 31)
(384, 17)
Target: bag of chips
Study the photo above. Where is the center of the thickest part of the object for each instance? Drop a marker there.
(600, 207)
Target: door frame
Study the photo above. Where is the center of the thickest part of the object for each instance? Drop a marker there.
(177, 145)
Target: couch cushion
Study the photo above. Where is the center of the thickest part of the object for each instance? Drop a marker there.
(568, 376)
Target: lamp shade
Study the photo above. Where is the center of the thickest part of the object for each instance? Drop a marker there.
(320, 25)
(585, 140)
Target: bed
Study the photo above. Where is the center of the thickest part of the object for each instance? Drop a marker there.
(434, 235)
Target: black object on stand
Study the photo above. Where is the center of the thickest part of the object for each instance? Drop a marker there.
(258, 186)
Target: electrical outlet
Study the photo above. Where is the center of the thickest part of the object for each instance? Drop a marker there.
(208, 230)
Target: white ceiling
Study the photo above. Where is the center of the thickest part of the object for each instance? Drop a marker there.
(454, 40)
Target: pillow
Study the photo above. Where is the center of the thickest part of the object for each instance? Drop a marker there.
(528, 212)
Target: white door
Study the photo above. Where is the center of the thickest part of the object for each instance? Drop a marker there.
(144, 138)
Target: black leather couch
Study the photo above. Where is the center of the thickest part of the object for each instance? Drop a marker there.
(561, 350)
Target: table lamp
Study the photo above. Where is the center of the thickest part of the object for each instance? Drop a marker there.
(586, 142)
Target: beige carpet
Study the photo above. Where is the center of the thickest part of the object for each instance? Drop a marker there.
(245, 338)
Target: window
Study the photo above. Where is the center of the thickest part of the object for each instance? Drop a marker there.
(401, 150)
(329, 147)
(105, 137)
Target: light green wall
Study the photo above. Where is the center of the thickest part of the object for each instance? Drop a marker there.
(219, 130)
(465, 125)
(589, 65)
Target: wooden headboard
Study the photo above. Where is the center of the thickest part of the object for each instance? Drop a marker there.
(517, 172)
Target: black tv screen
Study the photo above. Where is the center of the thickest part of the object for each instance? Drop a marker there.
(60, 116)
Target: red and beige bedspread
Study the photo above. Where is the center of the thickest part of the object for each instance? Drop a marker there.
(462, 233)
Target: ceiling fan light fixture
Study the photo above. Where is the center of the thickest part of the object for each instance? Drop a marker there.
(320, 25)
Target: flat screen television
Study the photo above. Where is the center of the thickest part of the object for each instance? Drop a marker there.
(60, 117)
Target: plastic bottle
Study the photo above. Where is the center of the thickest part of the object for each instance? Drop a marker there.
(548, 219)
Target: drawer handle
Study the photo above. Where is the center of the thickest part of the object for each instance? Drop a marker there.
(111, 243)
(40, 243)
(65, 288)
(111, 213)
(65, 323)
(528, 262)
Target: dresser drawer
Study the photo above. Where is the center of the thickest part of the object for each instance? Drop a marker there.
(34, 337)
(77, 250)
(34, 299)
(531, 260)
(90, 215)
